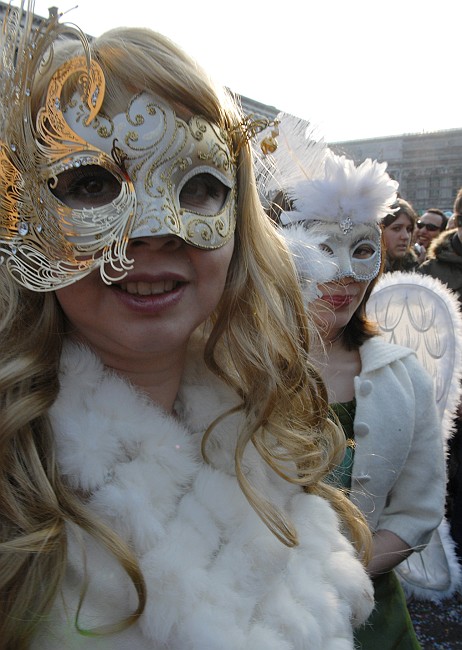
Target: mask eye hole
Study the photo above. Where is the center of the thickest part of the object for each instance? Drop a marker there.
(326, 248)
(88, 186)
(203, 193)
(364, 251)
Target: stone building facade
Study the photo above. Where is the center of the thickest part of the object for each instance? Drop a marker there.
(428, 166)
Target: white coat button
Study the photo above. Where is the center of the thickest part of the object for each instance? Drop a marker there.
(365, 388)
(361, 429)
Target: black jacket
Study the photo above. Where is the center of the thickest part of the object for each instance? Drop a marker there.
(444, 261)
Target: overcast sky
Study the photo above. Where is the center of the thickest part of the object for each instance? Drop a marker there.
(354, 68)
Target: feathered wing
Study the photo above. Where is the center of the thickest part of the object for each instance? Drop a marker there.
(421, 313)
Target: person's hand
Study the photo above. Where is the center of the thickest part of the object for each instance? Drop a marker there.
(388, 550)
(420, 251)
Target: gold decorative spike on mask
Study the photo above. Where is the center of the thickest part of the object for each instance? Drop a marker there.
(251, 126)
(269, 144)
(45, 244)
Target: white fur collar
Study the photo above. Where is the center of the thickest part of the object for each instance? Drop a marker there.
(217, 579)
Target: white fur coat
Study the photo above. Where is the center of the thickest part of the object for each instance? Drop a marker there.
(217, 579)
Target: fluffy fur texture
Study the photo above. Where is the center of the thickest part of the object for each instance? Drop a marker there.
(217, 579)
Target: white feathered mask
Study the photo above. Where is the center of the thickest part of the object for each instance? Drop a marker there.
(326, 190)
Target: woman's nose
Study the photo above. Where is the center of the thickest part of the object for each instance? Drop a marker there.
(346, 280)
(165, 243)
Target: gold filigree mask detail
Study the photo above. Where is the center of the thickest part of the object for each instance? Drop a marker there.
(132, 172)
(46, 244)
(183, 173)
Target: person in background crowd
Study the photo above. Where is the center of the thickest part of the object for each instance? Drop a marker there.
(444, 255)
(429, 226)
(398, 227)
(379, 391)
(452, 222)
(444, 261)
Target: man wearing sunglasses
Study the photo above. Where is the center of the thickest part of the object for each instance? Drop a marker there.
(429, 226)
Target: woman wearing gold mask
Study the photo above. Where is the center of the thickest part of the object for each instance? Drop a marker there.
(163, 435)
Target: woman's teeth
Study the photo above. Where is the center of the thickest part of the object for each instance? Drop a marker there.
(148, 288)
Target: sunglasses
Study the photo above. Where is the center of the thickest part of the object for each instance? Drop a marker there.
(429, 226)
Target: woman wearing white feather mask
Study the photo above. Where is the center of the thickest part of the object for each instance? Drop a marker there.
(162, 436)
(330, 210)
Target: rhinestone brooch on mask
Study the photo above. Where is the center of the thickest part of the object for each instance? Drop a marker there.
(346, 225)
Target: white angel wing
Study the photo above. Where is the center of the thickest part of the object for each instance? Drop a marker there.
(419, 312)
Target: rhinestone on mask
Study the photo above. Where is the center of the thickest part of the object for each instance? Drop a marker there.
(346, 225)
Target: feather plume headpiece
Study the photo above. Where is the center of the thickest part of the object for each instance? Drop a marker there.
(299, 155)
(321, 185)
(363, 193)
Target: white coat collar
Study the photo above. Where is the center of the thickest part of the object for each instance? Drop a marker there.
(217, 578)
(377, 353)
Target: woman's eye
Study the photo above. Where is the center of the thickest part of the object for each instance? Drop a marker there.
(90, 186)
(203, 193)
(363, 252)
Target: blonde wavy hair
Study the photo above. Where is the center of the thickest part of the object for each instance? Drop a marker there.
(258, 343)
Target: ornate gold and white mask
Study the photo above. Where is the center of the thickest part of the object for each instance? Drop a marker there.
(73, 197)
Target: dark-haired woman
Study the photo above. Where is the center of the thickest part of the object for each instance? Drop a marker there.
(398, 228)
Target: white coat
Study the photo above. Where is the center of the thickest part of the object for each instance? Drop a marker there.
(398, 474)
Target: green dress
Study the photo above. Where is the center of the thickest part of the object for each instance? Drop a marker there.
(389, 627)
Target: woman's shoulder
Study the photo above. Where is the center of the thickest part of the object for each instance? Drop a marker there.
(377, 352)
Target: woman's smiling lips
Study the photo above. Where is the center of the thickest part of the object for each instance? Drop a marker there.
(148, 288)
(337, 301)
(148, 294)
